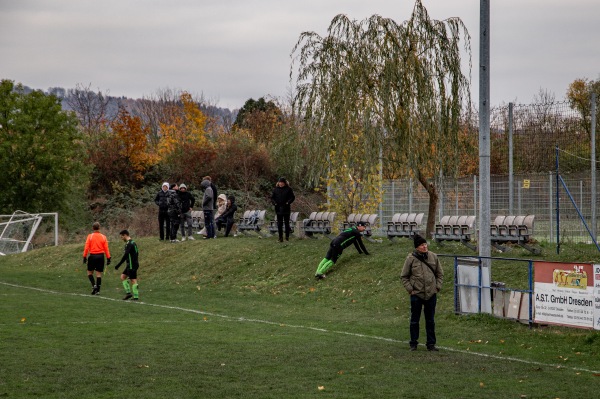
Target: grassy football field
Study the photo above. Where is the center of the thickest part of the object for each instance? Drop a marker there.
(243, 317)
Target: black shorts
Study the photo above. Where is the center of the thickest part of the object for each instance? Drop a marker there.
(95, 263)
(130, 273)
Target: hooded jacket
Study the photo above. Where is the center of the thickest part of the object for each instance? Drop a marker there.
(422, 274)
(221, 205)
(282, 198)
(187, 200)
(162, 197)
(208, 199)
(229, 213)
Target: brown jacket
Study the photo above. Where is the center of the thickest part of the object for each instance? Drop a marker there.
(419, 278)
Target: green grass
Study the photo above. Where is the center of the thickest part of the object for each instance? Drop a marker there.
(244, 317)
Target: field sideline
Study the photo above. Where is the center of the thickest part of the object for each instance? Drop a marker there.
(253, 323)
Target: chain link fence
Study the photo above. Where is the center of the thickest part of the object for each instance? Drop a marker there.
(523, 181)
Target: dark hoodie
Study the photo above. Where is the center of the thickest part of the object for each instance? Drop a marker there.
(229, 213)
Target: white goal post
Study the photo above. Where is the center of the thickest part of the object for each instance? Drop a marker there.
(17, 230)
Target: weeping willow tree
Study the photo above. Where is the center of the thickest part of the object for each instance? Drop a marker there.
(398, 87)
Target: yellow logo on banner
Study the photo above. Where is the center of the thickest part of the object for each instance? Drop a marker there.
(526, 183)
(570, 279)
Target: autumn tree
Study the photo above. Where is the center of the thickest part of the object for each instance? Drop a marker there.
(402, 84)
(156, 110)
(131, 139)
(186, 127)
(261, 118)
(579, 95)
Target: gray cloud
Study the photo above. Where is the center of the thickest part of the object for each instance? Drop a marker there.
(236, 49)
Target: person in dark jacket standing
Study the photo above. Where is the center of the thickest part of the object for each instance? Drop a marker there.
(227, 218)
(129, 275)
(174, 203)
(208, 206)
(347, 237)
(282, 199)
(422, 277)
(164, 224)
(187, 203)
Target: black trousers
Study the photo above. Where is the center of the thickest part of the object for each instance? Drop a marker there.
(334, 252)
(175, 219)
(428, 308)
(164, 223)
(281, 220)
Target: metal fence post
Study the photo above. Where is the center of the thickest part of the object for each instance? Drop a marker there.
(510, 160)
(551, 202)
(593, 152)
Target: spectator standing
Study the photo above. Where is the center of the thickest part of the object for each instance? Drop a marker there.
(282, 198)
(164, 224)
(96, 246)
(352, 235)
(422, 277)
(227, 218)
(174, 203)
(187, 203)
(208, 206)
(129, 275)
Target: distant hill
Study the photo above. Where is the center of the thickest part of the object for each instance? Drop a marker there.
(224, 116)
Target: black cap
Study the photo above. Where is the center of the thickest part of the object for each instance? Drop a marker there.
(419, 240)
(361, 224)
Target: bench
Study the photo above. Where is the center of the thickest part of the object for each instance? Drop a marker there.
(319, 223)
(455, 228)
(251, 221)
(513, 230)
(197, 220)
(293, 219)
(368, 218)
(405, 225)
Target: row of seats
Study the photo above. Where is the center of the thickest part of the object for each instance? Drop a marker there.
(455, 228)
(251, 220)
(512, 229)
(404, 225)
(293, 219)
(369, 219)
(318, 223)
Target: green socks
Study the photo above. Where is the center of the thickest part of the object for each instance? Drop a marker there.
(131, 289)
(324, 266)
(321, 265)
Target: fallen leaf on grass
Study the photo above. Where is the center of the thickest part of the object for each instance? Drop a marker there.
(143, 366)
(23, 320)
(320, 387)
(481, 385)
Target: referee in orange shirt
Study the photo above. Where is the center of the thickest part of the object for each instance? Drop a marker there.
(96, 245)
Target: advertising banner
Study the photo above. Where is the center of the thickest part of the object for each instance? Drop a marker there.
(564, 294)
(597, 297)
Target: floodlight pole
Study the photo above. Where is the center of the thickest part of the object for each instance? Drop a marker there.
(484, 132)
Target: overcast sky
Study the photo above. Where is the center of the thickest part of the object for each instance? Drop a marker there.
(233, 50)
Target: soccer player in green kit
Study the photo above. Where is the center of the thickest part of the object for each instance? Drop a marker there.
(129, 275)
(343, 240)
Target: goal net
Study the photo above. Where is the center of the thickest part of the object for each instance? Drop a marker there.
(17, 231)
